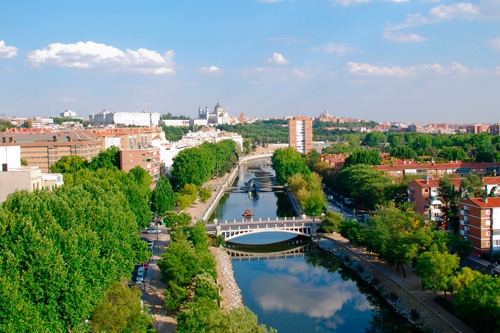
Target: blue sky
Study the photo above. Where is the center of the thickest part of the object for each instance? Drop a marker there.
(412, 61)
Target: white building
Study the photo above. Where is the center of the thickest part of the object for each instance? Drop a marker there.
(105, 117)
(68, 114)
(14, 177)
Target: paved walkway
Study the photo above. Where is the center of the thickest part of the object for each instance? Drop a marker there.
(408, 289)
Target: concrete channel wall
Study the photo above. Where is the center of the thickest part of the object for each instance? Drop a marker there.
(205, 215)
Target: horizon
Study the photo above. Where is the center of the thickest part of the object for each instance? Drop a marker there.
(401, 61)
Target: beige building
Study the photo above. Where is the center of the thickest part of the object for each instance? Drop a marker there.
(42, 149)
(300, 134)
(18, 179)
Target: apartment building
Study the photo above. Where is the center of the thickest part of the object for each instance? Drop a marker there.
(42, 149)
(425, 195)
(480, 223)
(126, 138)
(146, 157)
(402, 168)
(300, 134)
(14, 177)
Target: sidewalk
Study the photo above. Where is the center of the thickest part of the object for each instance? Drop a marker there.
(409, 289)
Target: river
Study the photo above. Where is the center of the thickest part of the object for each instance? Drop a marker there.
(291, 284)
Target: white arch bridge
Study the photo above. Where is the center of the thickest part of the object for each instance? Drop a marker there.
(304, 226)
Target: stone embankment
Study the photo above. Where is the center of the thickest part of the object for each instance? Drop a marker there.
(403, 294)
(231, 293)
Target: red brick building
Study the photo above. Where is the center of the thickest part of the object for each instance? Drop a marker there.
(147, 158)
(480, 223)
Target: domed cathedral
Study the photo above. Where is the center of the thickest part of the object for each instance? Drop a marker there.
(217, 117)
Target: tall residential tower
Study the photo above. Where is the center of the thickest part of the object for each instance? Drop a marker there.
(300, 134)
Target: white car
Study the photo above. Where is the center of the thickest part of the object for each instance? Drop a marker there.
(140, 274)
(153, 231)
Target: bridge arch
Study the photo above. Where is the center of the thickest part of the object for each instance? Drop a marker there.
(232, 230)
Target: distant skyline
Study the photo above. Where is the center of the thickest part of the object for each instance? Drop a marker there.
(425, 61)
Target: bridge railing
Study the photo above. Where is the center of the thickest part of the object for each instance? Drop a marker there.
(302, 218)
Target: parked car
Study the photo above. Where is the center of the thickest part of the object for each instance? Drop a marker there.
(140, 274)
(153, 231)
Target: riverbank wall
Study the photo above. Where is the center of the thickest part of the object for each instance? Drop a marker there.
(417, 306)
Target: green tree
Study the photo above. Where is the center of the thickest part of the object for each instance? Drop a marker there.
(450, 197)
(331, 221)
(374, 139)
(162, 197)
(478, 304)
(106, 159)
(363, 156)
(69, 164)
(287, 162)
(204, 193)
(193, 166)
(437, 269)
(121, 311)
(404, 152)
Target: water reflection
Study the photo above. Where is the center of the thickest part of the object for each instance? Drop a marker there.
(313, 292)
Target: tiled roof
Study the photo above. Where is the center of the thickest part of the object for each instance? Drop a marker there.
(491, 202)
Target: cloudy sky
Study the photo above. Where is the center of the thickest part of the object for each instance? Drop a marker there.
(403, 60)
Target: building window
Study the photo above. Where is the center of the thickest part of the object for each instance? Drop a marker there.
(488, 212)
(487, 233)
(496, 242)
(487, 244)
(488, 222)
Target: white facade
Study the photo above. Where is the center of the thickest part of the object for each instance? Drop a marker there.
(68, 114)
(105, 117)
(110, 141)
(10, 158)
(495, 227)
(176, 122)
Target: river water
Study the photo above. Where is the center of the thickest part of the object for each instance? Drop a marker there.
(291, 284)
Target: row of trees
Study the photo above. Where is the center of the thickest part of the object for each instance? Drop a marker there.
(401, 237)
(419, 146)
(197, 165)
(189, 269)
(62, 250)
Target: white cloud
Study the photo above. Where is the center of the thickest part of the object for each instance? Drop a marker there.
(400, 37)
(350, 2)
(96, 55)
(462, 10)
(495, 43)
(7, 51)
(278, 59)
(363, 69)
(332, 48)
(210, 70)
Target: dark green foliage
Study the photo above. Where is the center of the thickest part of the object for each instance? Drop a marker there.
(162, 197)
(331, 221)
(363, 156)
(353, 231)
(288, 162)
(69, 164)
(60, 251)
(106, 159)
(365, 185)
(374, 139)
(261, 132)
(59, 121)
(174, 133)
(197, 165)
(478, 304)
(404, 152)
